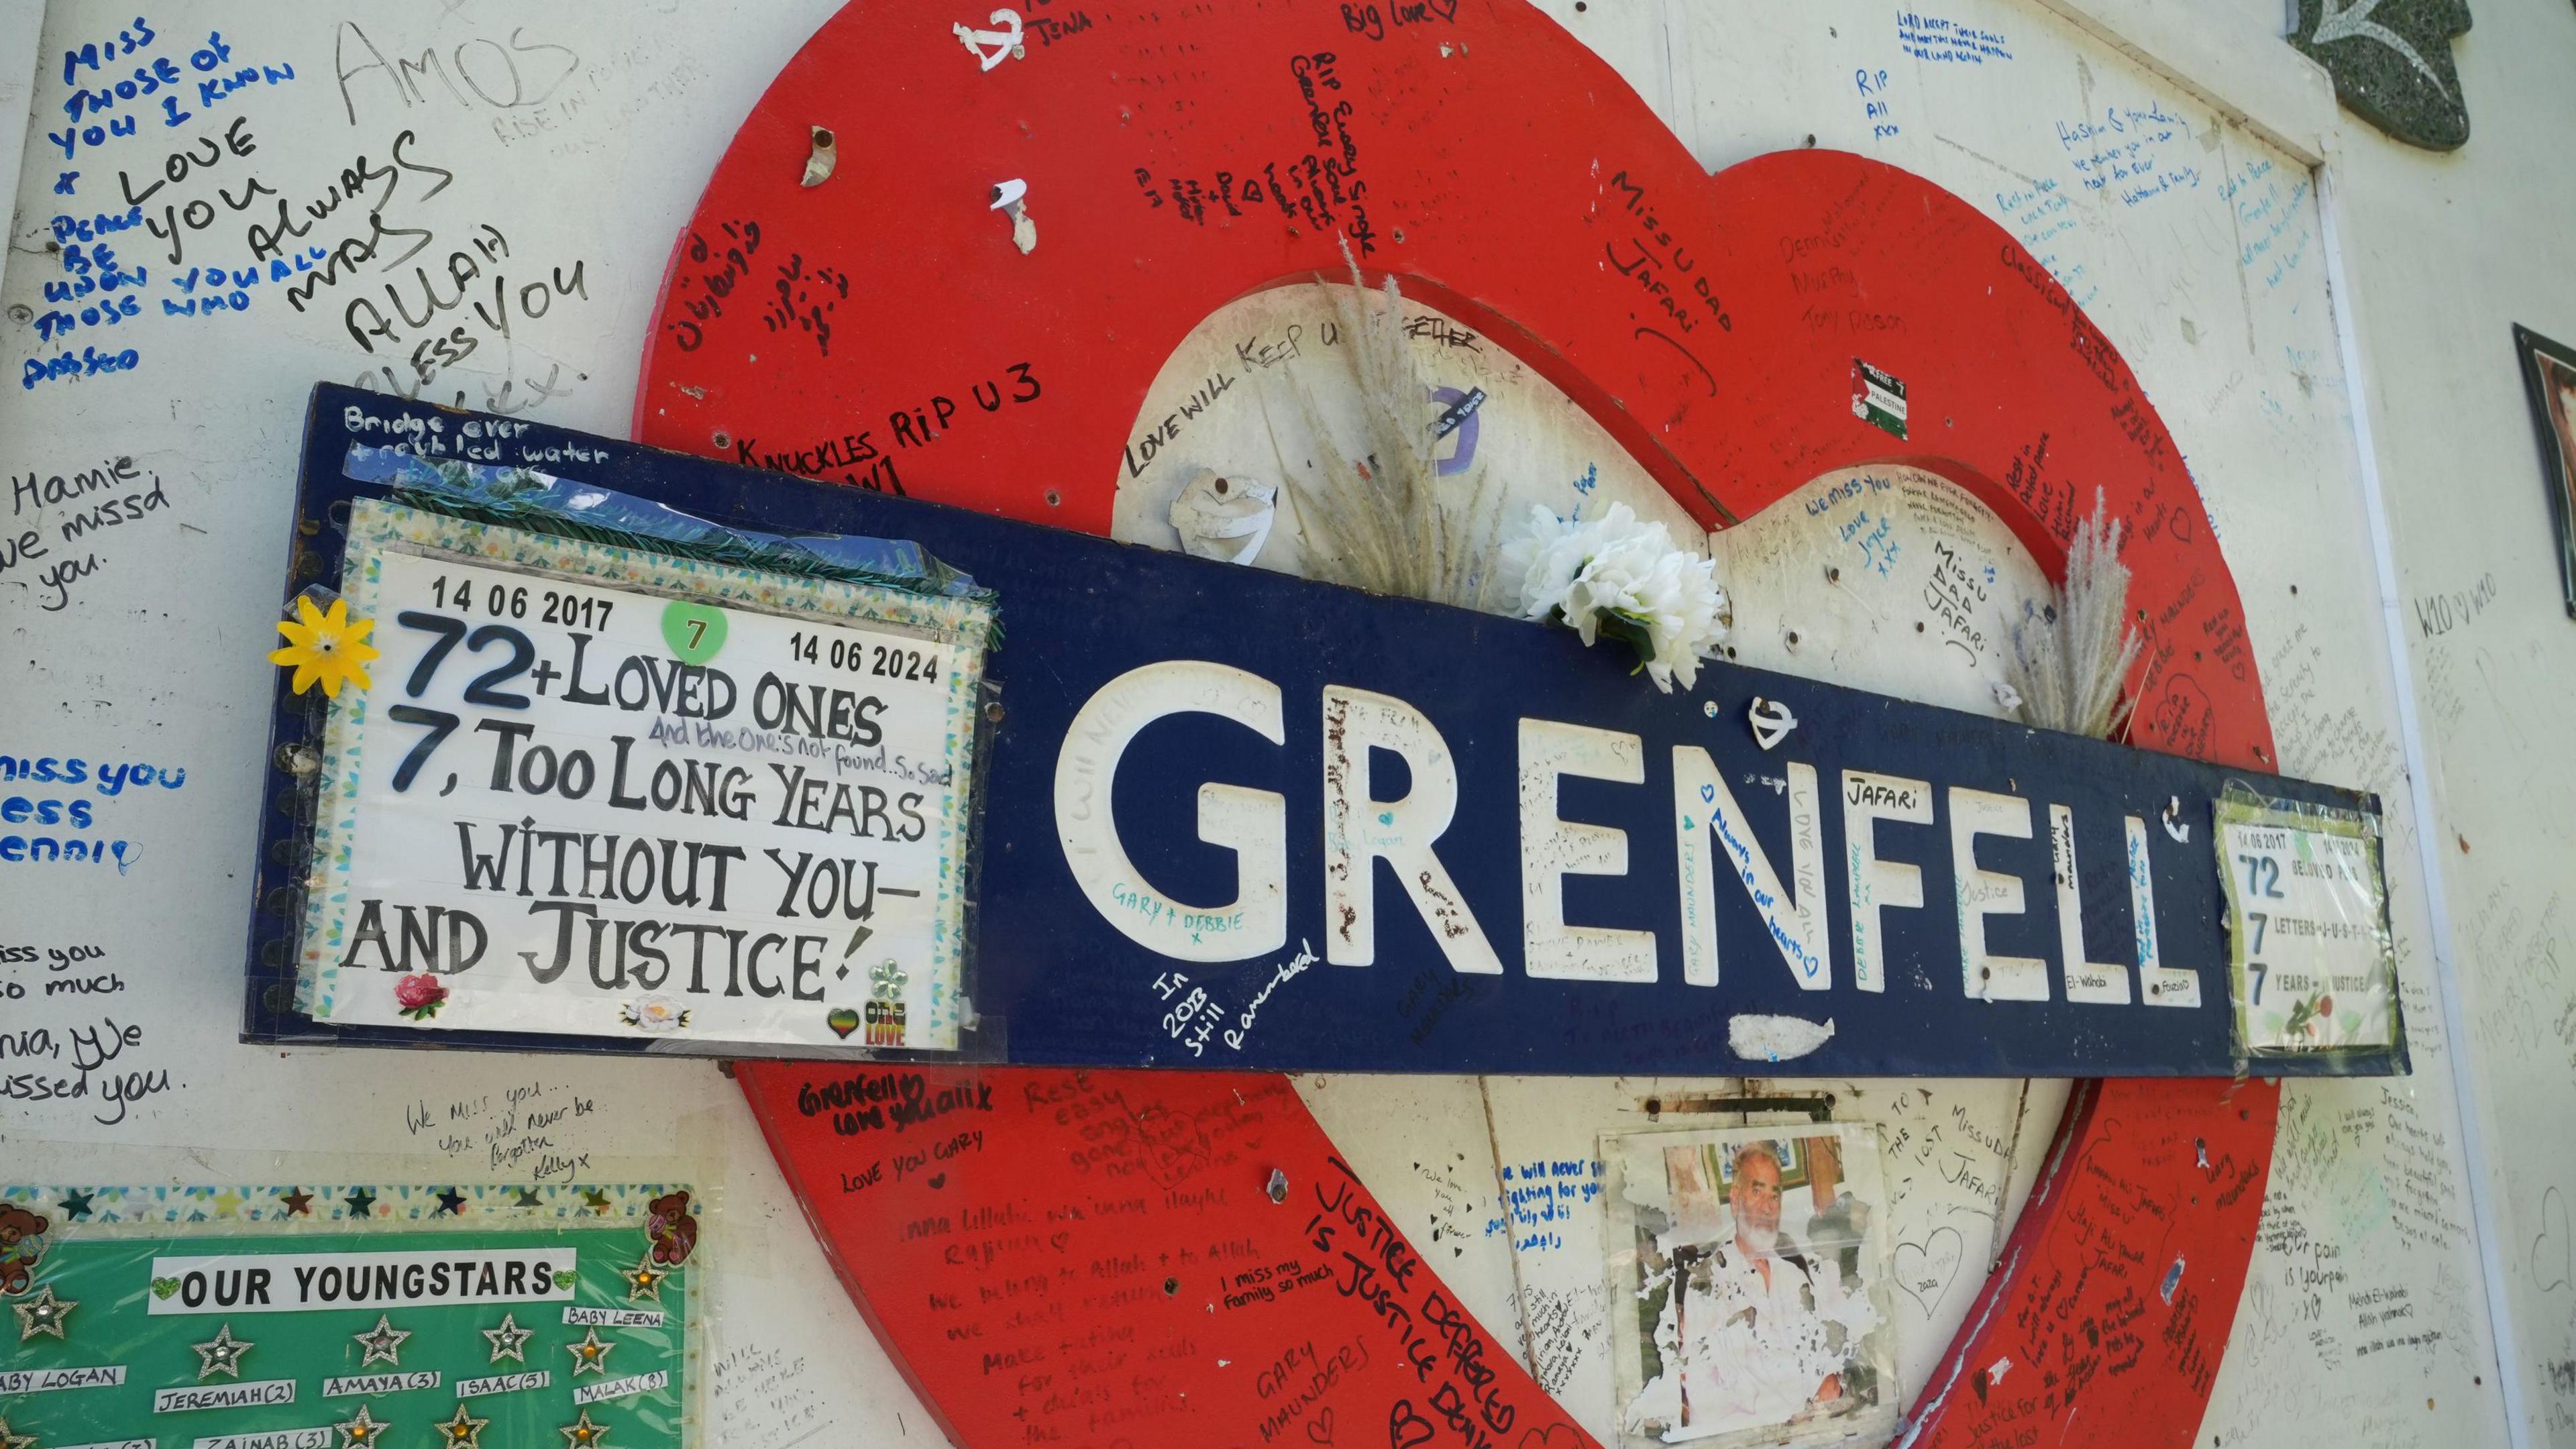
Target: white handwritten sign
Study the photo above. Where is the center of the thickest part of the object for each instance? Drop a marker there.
(2307, 922)
(37, 1381)
(595, 790)
(318, 1437)
(261, 1394)
(622, 1388)
(503, 1384)
(295, 1282)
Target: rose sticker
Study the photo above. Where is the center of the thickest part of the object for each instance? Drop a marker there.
(419, 997)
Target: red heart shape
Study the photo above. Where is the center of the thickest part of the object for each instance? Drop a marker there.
(912, 345)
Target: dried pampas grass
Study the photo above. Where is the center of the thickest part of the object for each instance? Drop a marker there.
(1383, 524)
(2068, 667)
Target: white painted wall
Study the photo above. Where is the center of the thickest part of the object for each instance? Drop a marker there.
(2216, 292)
(2441, 256)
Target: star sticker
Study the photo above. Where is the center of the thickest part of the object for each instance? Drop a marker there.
(451, 1202)
(26, 1441)
(221, 1354)
(76, 1204)
(43, 1313)
(462, 1432)
(509, 1340)
(584, 1435)
(528, 1197)
(384, 1341)
(644, 1280)
(298, 1203)
(228, 1203)
(590, 1356)
(362, 1203)
(594, 1199)
(362, 1432)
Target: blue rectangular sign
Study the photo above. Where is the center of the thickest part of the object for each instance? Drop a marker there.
(1233, 819)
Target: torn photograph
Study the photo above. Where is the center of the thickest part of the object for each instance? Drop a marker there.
(1751, 1269)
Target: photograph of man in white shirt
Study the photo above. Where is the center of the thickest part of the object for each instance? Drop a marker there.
(1754, 1346)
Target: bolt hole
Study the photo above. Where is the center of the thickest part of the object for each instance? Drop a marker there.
(1833, 575)
(823, 137)
(1054, 499)
(723, 439)
(1918, 626)
(1171, 1287)
(1399, 236)
(993, 712)
(1793, 638)
(1810, 142)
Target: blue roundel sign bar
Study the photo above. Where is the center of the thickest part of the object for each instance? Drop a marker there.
(918, 782)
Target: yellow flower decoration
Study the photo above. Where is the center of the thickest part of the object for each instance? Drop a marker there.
(326, 648)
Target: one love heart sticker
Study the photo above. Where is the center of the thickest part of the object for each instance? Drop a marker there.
(694, 631)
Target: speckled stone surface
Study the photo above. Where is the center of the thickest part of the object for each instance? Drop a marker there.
(2391, 63)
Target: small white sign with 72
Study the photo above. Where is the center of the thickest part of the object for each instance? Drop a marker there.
(2315, 971)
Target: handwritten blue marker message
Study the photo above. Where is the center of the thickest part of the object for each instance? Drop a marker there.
(2273, 233)
(2128, 152)
(1947, 42)
(110, 84)
(2041, 215)
(1873, 95)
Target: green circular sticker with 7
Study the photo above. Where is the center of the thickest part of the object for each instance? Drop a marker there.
(694, 631)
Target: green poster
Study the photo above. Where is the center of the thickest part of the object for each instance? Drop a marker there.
(345, 1317)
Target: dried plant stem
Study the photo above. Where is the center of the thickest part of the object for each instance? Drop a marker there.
(1384, 526)
(2068, 670)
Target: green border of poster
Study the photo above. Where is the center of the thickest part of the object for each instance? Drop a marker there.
(81, 1269)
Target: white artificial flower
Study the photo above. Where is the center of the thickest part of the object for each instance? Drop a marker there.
(1548, 558)
(1680, 602)
(1581, 570)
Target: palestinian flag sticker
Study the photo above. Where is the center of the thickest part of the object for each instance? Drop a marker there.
(1878, 399)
